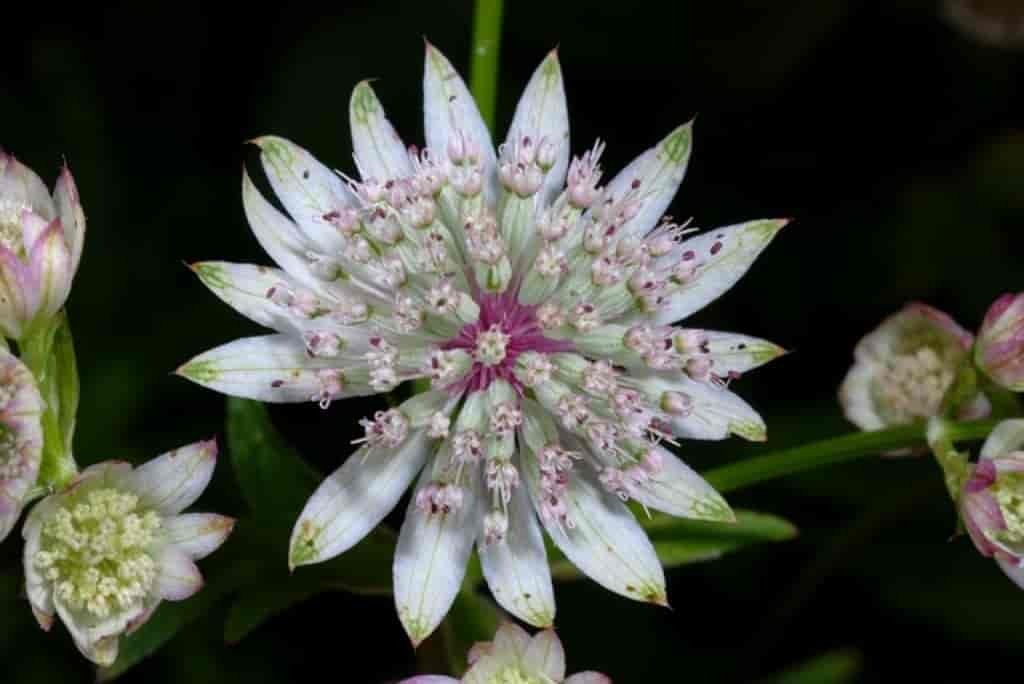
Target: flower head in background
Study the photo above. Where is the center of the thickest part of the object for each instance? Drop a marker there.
(904, 369)
(41, 240)
(999, 352)
(103, 553)
(516, 658)
(992, 501)
(21, 438)
(538, 305)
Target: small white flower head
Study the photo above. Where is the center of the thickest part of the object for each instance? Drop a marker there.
(103, 553)
(514, 657)
(903, 370)
(21, 438)
(536, 296)
(999, 352)
(41, 238)
(992, 500)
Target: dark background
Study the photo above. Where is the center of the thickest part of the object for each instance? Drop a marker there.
(891, 137)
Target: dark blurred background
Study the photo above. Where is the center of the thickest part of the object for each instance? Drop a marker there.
(890, 134)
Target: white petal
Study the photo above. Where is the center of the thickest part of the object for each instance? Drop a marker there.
(172, 481)
(448, 107)
(855, 396)
(543, 115)
(354, 499)
(71, 215)
(430, 679)
(510, 642)
(517, 570)
(588, 678)
(736, 354)
(430, 562)
(380, 153)
(606, 542)
(678, 490)
(723, 255)
(273, 368)
(307, 189)
(197, 534)
(1006, 437)
(545, 656)
(21, 185)
(276, 233)
(658, 172)
(1013, 570)
(50, 263)
(244, 288)
(37, 588)
(178, 577)
(99, 648)
(716, 412)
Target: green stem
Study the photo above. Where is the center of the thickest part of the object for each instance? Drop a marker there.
(832, 451)
(483, 63)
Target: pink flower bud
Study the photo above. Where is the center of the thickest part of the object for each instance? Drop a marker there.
(999, 352)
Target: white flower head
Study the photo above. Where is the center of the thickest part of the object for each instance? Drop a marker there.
(514, 657)
(21, 438)
(903, 370)
(522, 281)
(103, 553)
(41, 238)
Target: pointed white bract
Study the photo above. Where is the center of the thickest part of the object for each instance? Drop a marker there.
(904, 369)
(41, 239)
(104, 552)
(21, 438)
(514, 657)
(536, 302)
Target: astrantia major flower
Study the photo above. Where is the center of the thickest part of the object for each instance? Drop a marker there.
(21, 438)
(538, 304)
(514, 657)
(904, 369)
(104, 552)
(991, 498)
(41, 240)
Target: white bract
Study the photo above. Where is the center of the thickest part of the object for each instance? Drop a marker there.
(21, 438)
(538, 304)
(514, 657)
(105, 551)
(41, 240)
(904, 369)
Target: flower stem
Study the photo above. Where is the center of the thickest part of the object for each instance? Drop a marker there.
(483, 63)
(832, 451)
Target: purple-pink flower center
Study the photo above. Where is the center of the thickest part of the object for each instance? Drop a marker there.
(504, 330)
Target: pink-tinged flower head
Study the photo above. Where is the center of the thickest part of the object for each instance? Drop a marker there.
(903, 369)
(999, 352)
(537, 302)
(21, 438)
(41, 238)
(103, 553)
(514, 657)
(992, 501)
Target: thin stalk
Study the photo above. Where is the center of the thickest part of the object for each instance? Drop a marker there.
(483, 63)
(833, 451)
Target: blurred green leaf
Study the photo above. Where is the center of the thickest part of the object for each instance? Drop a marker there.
(473, 618)
(679, 541)
(274, 479)
(276, 483)
(833, 667)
